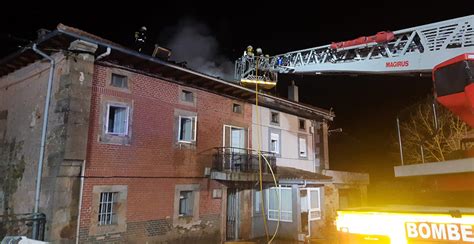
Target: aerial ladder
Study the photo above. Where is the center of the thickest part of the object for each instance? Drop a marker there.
(430, 49)
(443, 50)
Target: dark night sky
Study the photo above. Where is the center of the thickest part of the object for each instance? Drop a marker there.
(365, 106)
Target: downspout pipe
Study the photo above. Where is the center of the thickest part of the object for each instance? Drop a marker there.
(103, 55)
(83, 169)
(43, 137)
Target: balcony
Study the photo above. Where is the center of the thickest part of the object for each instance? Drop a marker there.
(240, 164)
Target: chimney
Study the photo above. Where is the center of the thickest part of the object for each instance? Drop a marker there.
(293, 92)
(161, 52)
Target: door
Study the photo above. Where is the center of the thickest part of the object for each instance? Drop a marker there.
(232, 224)
(304, 211)
(310, 200)
(314, 206)
(234, 147)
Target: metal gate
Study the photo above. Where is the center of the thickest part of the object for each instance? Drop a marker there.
(233, 218)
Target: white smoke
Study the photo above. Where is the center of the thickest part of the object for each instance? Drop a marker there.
(192, 42)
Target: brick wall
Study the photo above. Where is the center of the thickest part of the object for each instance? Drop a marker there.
(153, 163)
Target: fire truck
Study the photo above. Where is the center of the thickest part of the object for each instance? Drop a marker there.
(444, 50)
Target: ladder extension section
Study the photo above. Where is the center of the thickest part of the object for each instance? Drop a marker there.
(411, 50)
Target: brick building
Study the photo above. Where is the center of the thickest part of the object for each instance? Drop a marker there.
(140, 149)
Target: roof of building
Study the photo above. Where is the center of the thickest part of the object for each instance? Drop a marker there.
(126, 58)
(299, 174)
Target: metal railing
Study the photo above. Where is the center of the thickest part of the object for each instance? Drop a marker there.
(22, 224)
(231, 159)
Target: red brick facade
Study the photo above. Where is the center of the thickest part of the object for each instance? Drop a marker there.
(153, 163)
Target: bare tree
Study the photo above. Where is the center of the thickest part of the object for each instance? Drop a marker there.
(421, 137)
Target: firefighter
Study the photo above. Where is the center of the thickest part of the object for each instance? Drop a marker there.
(249, 52)
(140, 38)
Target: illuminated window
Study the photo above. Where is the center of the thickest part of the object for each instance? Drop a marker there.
(280, 198)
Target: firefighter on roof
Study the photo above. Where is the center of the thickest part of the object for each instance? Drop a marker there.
(140, 38)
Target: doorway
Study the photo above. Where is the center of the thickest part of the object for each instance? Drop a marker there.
(233, 216)
(310, 205)
(235, 144)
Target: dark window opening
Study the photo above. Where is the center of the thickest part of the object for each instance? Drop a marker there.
(119, 81)
(302, 124)
(187, 96)
(275, 117)
(236, 108)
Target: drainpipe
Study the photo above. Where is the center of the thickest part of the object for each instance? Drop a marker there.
(83, 168)
(312, 131)
(43, 138)
(104, 54)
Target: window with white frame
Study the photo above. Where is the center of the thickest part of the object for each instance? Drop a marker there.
(280, 204)
(117, 119)
(186, 203)
(187, 128)
(302, 147)
(275, 143)
(315, 204)
(107, 211)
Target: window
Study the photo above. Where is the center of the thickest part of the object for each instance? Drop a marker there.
(257, 201)
(119, 81)
(187, 128)
(236, 108)
(107, 211)
(186, 203)
(280, 198)
(302, 124)
(117, 119)
(275, 143)
(275, 118)
(302, 147)
(187, 96)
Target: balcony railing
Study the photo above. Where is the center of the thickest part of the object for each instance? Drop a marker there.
(21, 225)
(231, 159)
